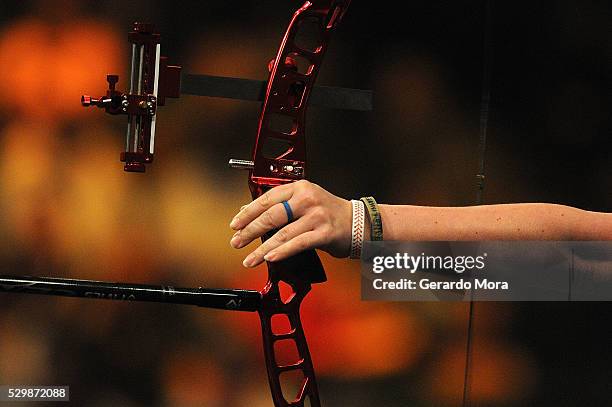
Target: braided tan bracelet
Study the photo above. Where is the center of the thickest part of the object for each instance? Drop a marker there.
(357, 228)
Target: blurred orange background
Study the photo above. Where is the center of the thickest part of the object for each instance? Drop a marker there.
(70, 211)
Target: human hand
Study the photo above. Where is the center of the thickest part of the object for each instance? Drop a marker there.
(321, 220)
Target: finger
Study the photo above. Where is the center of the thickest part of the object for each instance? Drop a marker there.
(281, 237)
(261, 204)
(273, 218)
(305, 241)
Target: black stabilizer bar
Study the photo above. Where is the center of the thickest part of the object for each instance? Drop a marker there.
(329, 97)
(228, 299)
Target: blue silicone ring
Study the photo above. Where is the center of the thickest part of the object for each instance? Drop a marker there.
(289, 211)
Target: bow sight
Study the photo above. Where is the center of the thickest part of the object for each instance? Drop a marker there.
(152, 80)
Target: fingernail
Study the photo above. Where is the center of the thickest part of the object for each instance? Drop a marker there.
(248, 261)
(270, 256)
(234, 222)
(235, 242)
(243, 206)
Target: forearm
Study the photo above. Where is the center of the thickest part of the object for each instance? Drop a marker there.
(321, 220)
(532, 221)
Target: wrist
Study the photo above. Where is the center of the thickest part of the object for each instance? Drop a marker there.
(385, 215)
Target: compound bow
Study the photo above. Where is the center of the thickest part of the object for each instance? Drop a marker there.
(285, 97)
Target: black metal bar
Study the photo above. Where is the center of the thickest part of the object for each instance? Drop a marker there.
(330, 97)
(228, 299)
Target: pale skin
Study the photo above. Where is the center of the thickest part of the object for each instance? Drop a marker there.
(323, 221)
